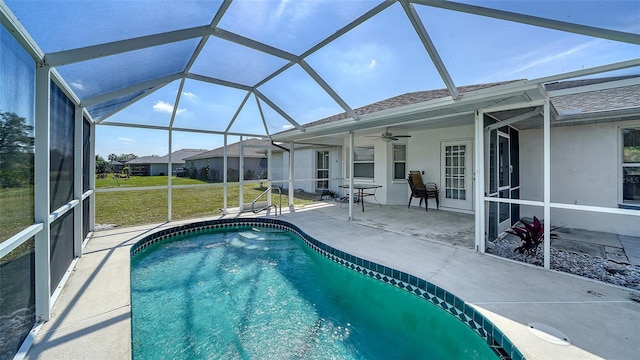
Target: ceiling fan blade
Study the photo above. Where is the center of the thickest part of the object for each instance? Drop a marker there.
(402, 136)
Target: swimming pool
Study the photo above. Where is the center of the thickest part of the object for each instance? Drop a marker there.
(236, 289)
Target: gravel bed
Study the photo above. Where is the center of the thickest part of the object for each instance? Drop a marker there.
(570, 262)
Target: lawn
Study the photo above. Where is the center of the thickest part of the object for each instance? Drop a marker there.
(135, 207)
(16, 211)
(143, 181)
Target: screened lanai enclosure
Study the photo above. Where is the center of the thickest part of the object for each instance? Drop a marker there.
(514, 108)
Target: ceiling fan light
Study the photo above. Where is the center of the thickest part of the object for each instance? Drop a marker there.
(387, 139)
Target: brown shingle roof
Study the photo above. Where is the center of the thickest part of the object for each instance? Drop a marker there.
(598, 100)
(403, 100)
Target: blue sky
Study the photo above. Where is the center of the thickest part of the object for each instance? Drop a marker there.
(379, 59)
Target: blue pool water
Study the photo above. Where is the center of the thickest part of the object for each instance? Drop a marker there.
(260, 293)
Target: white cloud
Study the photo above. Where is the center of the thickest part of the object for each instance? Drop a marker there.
(77, 85)
(556, 57)
(161, 106)
(281, 8)
(372, 64)
(287, 127)
(126, 139)
(189, 95)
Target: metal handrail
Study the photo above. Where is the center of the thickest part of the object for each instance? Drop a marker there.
(253, 204)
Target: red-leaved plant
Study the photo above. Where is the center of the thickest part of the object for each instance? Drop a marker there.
(532, 235)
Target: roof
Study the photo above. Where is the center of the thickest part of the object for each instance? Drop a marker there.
(332, 56)
(406, 99)
(607, 99)
(177, 157)
(233, 150)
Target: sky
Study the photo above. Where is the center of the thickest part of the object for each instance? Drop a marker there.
(379, 59)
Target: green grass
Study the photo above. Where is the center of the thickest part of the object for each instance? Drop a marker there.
(143, 181)
(16, 211)
(135, 207)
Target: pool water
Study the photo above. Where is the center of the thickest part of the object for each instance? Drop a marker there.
(259, 293)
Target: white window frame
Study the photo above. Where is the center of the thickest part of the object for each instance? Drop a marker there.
(403, 175)
(325, 157)
(371, 161)
(625, 203)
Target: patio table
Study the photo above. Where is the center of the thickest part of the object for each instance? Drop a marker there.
(360, 192)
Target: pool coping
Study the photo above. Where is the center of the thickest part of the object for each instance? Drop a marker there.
(501, 345)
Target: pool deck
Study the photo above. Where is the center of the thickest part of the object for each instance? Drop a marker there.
(91, 318)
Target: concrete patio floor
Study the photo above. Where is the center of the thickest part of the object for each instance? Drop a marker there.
(91, 319)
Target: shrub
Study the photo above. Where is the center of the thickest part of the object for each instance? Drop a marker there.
(203, 173)
(232, 175)
(531, 235)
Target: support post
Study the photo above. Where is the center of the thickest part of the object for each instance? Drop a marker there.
(351, 175)
(241, 175)
(92, 179)
(269, 154)
(478, 177)
(77, 183)
(291, 182)
(41, 194)
(547, 183)
(169, 167)
(224, 175)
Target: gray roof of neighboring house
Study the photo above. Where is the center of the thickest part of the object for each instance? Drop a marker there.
(233, 150)
(177, 157)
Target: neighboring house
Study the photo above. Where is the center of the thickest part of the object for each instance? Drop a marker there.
(594, 147)
(316, 169)
(158, 165)
(210, 164)
(116, 166)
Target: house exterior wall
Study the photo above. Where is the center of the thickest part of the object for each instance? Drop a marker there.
(305, 169)
(157, 169)
(217, 164)
(585, 167)
(424, 154)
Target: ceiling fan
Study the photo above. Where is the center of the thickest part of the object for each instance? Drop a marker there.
(386, 136)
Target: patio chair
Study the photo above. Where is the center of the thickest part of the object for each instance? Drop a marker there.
(421, 190)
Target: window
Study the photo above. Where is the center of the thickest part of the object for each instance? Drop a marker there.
(363, 162)
(631, 166)
(322, 170)
(399, 162)
(455, 187)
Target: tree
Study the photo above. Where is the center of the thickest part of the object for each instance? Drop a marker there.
(101, 165)
(127, 157)
(112, 157)
(16, 151)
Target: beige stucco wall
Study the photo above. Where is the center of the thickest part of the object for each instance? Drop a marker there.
(585, 170)
(423, 154)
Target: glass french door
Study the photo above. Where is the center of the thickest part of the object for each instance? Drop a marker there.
(457, 171)
(503, 179)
